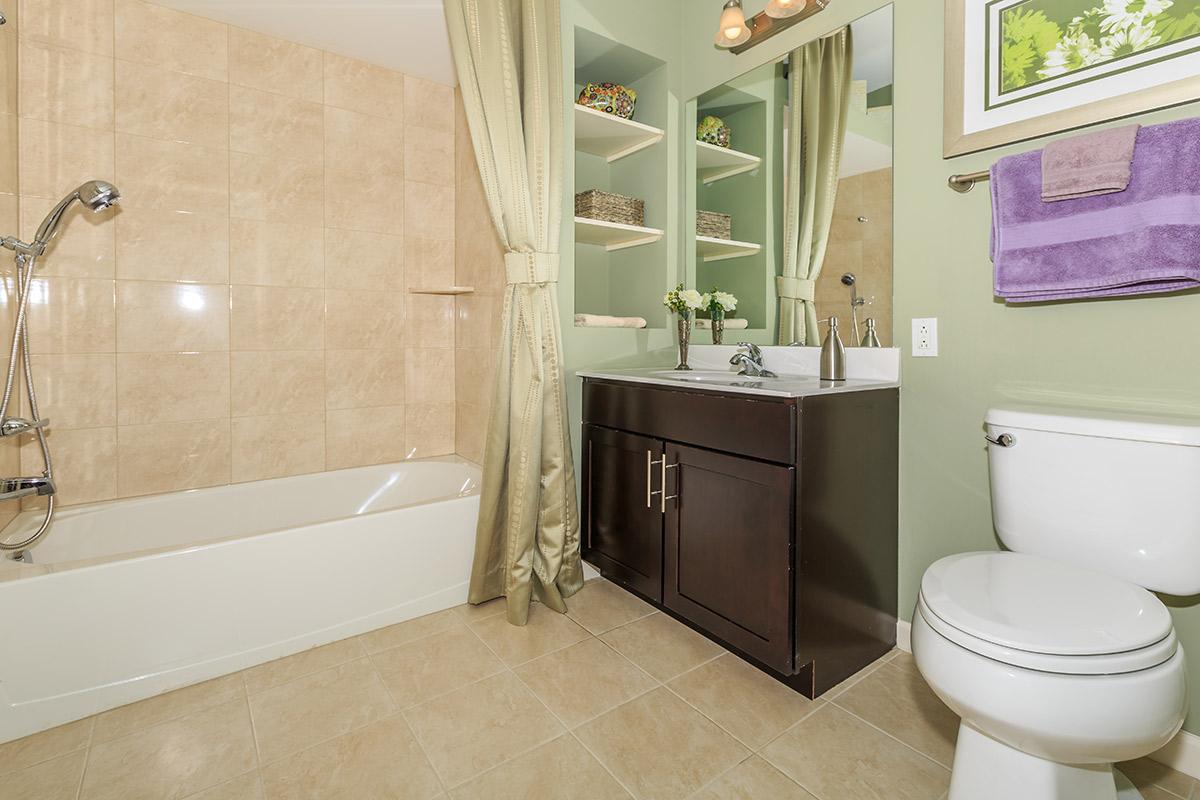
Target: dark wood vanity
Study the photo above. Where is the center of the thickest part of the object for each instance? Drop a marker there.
(767, 523)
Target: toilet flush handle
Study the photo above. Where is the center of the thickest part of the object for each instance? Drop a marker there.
(1003, 440)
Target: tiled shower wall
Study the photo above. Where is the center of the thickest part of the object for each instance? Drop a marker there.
(479, 262)
(9, 455)
(861, 247)
(245, 314)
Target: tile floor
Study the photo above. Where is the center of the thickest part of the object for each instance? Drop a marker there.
(613, 701)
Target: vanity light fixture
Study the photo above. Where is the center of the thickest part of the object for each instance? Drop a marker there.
(738, 34)
(732, 31)
(782, 9)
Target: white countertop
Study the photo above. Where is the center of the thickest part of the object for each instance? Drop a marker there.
(797, 369)
(716, 381)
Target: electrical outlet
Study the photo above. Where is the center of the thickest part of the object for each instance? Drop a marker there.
(924, 338)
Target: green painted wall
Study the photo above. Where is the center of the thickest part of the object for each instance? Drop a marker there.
(639, 26)
(1129, 354)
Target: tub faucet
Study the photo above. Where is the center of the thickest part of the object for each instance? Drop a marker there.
(13, 488)
(751, 362)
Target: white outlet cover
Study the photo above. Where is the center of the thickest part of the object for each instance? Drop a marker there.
(925, 337)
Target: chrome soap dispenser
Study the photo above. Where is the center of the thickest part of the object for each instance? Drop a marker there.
(833, 354)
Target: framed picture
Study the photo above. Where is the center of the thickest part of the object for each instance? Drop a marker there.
(1016, 69)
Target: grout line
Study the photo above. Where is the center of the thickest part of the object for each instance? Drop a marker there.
(867, 722)
(87, 759)
(253, 728)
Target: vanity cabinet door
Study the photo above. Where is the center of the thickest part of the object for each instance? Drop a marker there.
(728, 550)
(622, 508)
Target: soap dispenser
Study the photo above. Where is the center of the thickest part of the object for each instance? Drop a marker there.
(833, 354)
(872, 338)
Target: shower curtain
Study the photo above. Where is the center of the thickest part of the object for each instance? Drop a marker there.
(508, 56)
(819, 95)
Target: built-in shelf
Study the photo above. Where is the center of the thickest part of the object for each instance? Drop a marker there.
(716, 163)
(444, 290)
(610, 136)
(613, 235)
(710, 249)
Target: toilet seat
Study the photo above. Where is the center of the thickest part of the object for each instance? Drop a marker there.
(1043, 615)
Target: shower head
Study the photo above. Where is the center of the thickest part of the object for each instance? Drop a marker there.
(848, 279)
(94, 195)
(98, 195)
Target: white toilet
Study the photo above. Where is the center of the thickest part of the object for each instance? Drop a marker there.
(1057, 659)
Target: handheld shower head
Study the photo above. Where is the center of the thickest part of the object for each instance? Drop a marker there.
(95, 195)
(98, 195)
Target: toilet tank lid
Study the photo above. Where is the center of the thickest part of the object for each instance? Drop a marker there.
(1178, 430)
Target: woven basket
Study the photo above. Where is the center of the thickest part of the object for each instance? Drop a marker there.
(609, 207)
(710, 223)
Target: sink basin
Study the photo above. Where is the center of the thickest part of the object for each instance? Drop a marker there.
(715, 377)
(698, 375)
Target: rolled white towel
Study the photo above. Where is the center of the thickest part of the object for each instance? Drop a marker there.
(604, 321)
(730, 324)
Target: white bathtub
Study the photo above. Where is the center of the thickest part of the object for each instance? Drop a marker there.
(130, 598)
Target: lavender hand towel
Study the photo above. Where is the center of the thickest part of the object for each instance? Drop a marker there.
(1143, 240)
(1088, 165)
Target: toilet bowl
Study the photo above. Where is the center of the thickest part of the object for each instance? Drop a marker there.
(1056, 658)
(1046, 725)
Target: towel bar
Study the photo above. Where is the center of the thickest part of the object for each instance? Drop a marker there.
(966, 182)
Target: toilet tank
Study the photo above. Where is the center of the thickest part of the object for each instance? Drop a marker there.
(1119, 494)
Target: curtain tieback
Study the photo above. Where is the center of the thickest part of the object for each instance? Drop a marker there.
(796, 288)
(531, 267)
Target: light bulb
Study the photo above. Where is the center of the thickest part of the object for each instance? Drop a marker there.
(780, 9)
(732, 30)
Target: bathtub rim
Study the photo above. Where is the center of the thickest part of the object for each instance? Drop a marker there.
(9, 568)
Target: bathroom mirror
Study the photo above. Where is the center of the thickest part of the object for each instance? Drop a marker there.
(738, 193)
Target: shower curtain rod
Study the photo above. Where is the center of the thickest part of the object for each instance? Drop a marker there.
(966, 182)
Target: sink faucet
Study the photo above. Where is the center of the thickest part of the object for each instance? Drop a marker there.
(751, 362)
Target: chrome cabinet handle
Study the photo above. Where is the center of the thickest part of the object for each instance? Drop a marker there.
(650, 463)
(1003, 440)
(649, 493)
(664, 497)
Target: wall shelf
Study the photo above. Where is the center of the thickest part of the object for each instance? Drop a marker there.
(444, 290)
(710, 249)
(613, 235)
(610, 136)
(717, 163)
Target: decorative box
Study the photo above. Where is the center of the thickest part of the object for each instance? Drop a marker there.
(611, 98)
(609, 207)
(714, 131)
(710, 223)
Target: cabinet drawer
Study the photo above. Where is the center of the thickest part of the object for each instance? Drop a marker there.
(740, 424)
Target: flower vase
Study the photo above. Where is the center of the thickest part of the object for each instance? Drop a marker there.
(685, 337)
(718, 330)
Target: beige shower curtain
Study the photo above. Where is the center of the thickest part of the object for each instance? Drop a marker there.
(508, 56)
(819, 95)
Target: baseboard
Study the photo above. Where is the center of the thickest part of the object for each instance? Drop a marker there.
(1181, 754)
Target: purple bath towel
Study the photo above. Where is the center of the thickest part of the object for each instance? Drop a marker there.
(1143, 240)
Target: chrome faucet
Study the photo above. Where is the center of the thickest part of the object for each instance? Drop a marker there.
(751, 362)
(13, 488)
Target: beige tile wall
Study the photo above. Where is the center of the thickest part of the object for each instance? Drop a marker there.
(864, 248)
(246, 313)
(479, 262)
(9, 455)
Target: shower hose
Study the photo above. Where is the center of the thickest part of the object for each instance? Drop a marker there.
(20, 353)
